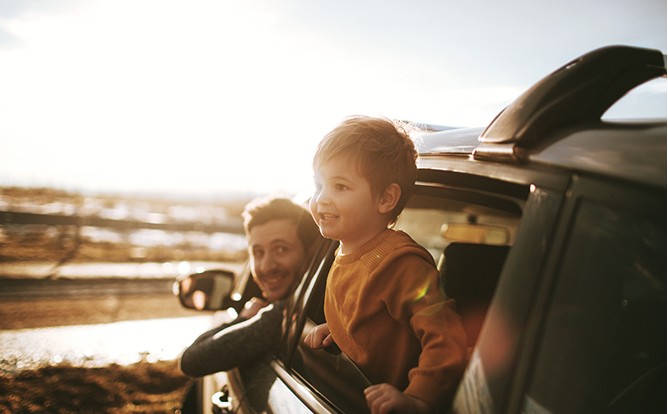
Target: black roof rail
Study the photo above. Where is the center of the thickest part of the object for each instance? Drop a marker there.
(582, 90)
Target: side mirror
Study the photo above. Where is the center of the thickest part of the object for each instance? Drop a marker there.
(207, 290)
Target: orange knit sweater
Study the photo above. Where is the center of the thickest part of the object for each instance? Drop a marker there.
(385, 310)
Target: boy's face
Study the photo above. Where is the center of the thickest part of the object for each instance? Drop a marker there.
(277, 257)
(343, 205)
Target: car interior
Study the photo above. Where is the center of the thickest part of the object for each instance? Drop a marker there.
(468, 234)
(468, 273)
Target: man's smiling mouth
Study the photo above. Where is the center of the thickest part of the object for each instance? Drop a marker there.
(274, 278)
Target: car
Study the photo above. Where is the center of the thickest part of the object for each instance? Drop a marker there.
(549, 229)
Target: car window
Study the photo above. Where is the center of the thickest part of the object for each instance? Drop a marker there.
(272, 389)
(603, 347)
(432, 227)
(298, 307)
(425, 218)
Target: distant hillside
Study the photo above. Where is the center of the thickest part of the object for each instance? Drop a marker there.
(53, 241)
(48, 200)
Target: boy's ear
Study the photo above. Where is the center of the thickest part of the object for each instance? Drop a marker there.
(389, 198)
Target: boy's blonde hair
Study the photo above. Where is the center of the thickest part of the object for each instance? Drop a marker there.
(382, 151)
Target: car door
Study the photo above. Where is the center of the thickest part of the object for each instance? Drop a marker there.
(599, 342)
(578, 321)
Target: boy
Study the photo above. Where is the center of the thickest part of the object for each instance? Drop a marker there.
(383, 305)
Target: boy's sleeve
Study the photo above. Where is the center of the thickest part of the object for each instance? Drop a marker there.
(436, 324)
(443, 356)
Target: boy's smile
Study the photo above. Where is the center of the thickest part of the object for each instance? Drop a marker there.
(343, 205)
(325, 218)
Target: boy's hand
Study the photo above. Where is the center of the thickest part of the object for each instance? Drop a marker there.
(319, 337)
(385, 399)
(252, 307)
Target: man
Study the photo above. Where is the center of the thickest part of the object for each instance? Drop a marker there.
(280, 234)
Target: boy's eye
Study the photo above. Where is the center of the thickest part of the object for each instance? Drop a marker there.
(340, 187)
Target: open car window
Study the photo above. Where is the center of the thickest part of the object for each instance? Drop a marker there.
(427, 218)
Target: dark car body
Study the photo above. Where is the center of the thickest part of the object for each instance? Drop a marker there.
(549, 229)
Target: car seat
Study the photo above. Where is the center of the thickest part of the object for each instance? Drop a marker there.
(468, 273)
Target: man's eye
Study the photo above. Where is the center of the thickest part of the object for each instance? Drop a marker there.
(281, 249)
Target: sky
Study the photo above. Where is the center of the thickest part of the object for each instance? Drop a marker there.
(218, 96)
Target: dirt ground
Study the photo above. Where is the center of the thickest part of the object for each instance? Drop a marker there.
(139, 388)
(142, 387)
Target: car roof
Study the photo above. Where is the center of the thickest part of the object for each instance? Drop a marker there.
(557, 122)
(634, 152)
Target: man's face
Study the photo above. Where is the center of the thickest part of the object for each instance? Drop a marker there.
(277, 257)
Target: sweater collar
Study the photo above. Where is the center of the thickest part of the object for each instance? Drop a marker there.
(364, 249)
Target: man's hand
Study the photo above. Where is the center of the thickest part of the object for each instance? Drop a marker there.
(252, 307)
(319, 337)
(385, 399)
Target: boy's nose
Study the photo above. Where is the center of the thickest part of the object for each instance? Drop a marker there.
(322, 197)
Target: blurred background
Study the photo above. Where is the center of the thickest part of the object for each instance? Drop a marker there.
(209, 97)
(133, 132)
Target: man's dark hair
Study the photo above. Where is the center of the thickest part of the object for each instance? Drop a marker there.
(263, 210)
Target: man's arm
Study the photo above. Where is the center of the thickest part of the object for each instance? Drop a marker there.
(234, 345)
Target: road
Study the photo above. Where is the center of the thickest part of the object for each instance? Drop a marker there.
(92, 294)
(22, 289)
(92, 321)
(29, 303)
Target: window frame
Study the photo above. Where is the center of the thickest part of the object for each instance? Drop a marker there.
(493, 193)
